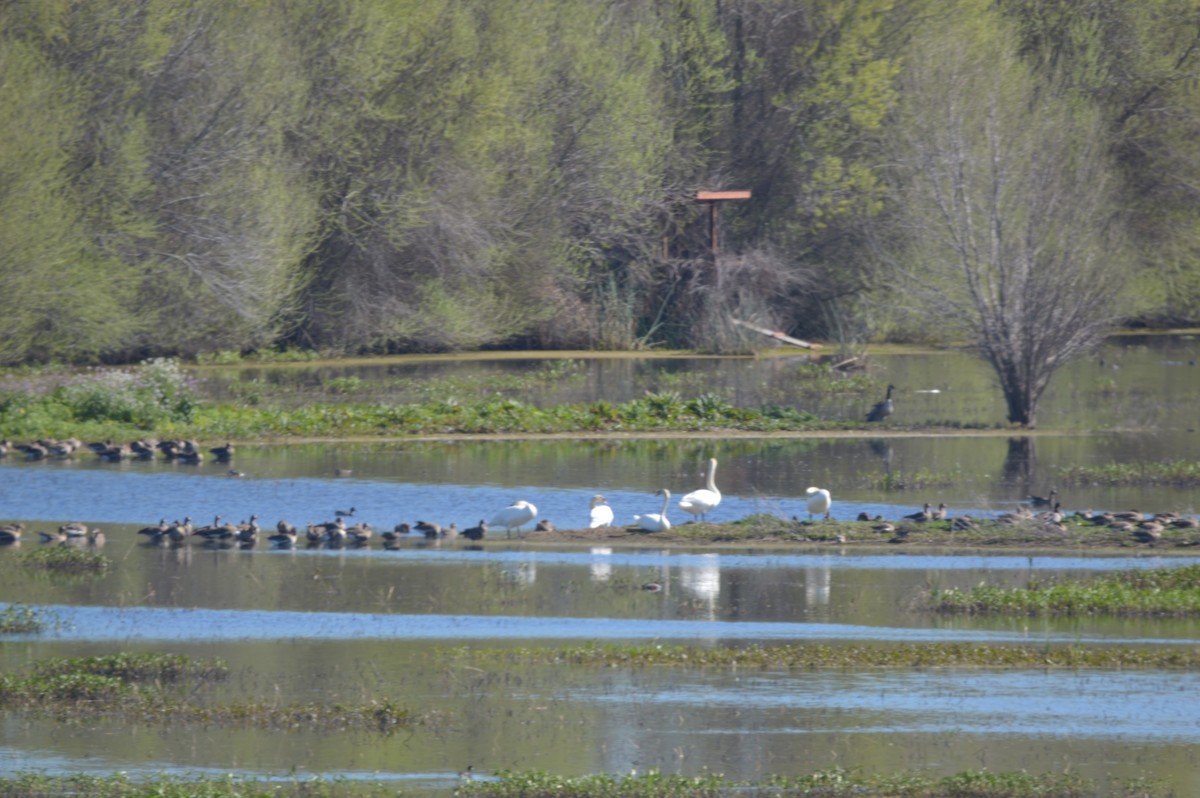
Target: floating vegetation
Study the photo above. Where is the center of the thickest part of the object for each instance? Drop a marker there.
(1171, 592)
(816, 655)
(18, 619)
(836, 783)
(163, 688)
(1175, 473)
(122, 785)
(910, 480)
(65, 559)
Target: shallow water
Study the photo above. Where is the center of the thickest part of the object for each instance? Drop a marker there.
(358, 625)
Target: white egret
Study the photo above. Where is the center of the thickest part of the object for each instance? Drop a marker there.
(655, 522)
(514, 516)
(601, 514)
(699, 502)
(819, 502)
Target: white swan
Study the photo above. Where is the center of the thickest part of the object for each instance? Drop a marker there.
(819, 502)
(601, 514)
(655, 522)
(699, 502)
(514, 516)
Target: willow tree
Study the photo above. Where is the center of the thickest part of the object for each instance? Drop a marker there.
(1003, 193)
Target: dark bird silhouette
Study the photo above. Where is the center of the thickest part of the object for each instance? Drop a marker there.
(884, 408)
(476, 532)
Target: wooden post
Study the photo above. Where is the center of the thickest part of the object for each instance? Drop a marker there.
(712, 198)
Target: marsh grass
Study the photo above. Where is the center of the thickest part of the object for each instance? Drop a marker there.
(809, 656)
(169, 688)
(65, 559)
(121, 785)
(835, 783)
(1169, 592)
(18, 619)
(1175, 473)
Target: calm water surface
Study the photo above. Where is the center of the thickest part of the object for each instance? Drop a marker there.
(360, 625)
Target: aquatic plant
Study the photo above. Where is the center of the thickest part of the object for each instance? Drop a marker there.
(65, 559)
(1177, 473)
(1160, 592)
(164, 688)
(853, 656)
(19, 619)
(835, 783)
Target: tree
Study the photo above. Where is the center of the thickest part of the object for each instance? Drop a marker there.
(1002, 184)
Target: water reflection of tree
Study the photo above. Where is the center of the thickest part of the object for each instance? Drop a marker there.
(1020, 462)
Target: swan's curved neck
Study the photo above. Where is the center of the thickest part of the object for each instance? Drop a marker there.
(712, 475)
(666, 501)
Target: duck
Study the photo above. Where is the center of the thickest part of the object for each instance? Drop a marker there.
(883, 528)
(655, 522)
(515, 516)
(545, 525)
(819, 502)
(95, 537)
(155, 532)
(940, 513)
(397, 532)
(700, 502)
(476, 532)
(285, 535)
(74, 529)
(882, 408)
(450, 532)
(346, 513)
(52, 537)
(10, 533)
(601, 515)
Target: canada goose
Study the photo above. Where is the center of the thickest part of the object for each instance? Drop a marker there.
(601, 515)
(515, 516)
(921, 516)
(10, 533)
(655, 522)
(884, 407)
(52, 537)
(248, 532)
(545, 525)
(223, 453)
(939, 514)
(884, 528)
(345, 513)
(450, 532)
(700, 501)
(1148, 532)
(819, 502)
(396, 532)
(74, 529)
(180, 531)
(961, 523)
(142, 449)
(1053, 516)
(96, 538)
(1185, 523)
(1043, 501)
(155, 532)
(476, 532)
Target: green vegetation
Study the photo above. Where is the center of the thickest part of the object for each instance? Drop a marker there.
(834, 783)
(920, 479)
(1161, 592)
(167, 688)
(65, 559)
(827, 784)
(459, 174)
(122, 785)
(1177, 473)
(19, 619)
(850, 656)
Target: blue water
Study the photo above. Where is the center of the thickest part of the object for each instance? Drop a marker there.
(78, 623)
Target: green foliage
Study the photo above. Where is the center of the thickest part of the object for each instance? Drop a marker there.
(145, 396)
(19, 619)
(1176, 472)
(1165, 592)
(65, 559)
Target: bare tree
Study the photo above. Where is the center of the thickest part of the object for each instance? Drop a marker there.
(1004, 208)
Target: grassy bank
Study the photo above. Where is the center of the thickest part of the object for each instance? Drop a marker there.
(1166, 592)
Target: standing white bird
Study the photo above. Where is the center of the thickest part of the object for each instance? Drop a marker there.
(514, 516)
(819, 502)
(655, 522)
(601, 514)
(699, 502)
